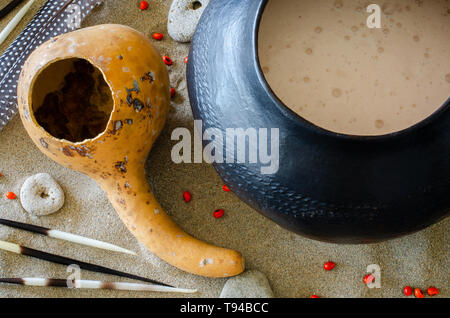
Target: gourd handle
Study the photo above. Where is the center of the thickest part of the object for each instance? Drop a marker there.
(132, 198)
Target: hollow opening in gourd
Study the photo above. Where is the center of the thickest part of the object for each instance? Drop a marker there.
(71, 100)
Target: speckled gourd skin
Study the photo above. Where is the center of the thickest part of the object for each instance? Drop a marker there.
(116, 158)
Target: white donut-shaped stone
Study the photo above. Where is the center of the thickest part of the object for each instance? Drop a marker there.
(41, 195)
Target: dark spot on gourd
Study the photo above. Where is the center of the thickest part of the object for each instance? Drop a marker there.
(149, 76)
(43, 143)
(66, 151)
(121, 166)
(134, 89)
(138, 105)
(83, 151)
(105, 175)
(136, 86)
(129, 99)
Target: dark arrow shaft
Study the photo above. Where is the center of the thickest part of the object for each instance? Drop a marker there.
(83, 265)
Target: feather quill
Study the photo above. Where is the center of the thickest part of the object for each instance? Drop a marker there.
(9, 7)
(55, 17)
(23, 250)
(92, 284)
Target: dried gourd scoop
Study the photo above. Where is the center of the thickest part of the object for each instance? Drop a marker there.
(95, 100)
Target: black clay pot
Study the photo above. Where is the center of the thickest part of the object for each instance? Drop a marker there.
(330, 187)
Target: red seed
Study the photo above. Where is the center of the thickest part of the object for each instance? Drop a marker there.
(369, 278)
(226, 188)
(167, 60)
(187, 196)
(143, 5)
(172, 92)
(11, 195)
(407, 290)
(218, 213)
(314, 296)
(328, 266)
(418, 293)
(432, 291)
(186, 60)
(158, 36)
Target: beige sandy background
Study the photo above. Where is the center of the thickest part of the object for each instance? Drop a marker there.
(293, 264)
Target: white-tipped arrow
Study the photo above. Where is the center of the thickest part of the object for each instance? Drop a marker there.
(15, 21)
(93, 284)
(57, 259)
(66, 236)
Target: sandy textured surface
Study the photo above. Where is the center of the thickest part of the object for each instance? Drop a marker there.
(293, 264)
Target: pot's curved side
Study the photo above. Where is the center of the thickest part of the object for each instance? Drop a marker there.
(329, 187)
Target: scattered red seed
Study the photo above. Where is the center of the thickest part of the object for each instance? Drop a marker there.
(218, 213)
(172, 92)
(186, 60)
(328, 266)
(314, 296)
(158, 36)
(167, 60)
(11, 195)
(418, 293)
(432, 291)
(407, 290)
(226, 188)
(143, 5)
(369, 278)
(187, 196)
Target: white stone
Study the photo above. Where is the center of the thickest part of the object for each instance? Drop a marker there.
(41, 195)
(183, 18)
(250, 284)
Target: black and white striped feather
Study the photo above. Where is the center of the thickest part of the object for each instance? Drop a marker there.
(55, 17)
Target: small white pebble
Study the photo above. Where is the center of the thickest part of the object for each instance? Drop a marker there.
(41, 195)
